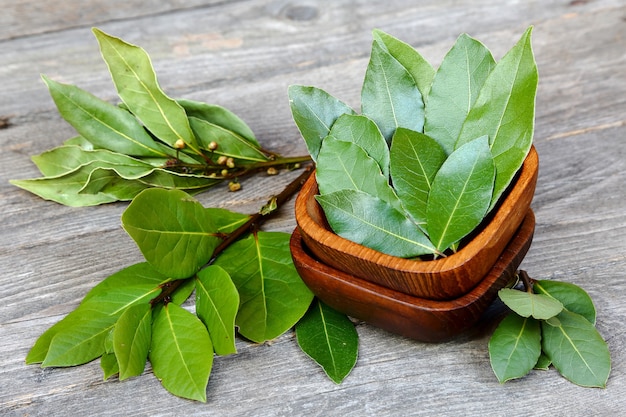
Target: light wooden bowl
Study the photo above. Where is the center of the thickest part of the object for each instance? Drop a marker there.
(441, 279)
(414, 317)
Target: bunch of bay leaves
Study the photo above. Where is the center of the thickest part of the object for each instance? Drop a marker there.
(432, 151)
(149, 140)
(249, 287)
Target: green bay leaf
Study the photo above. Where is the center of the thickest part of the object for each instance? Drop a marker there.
(363, 132)
(140, 274)
(131, 339)
(543, 363)
(172, 230)
(390, 95)
(107, 181)
(81, 142)
(217, 303)
(460, 194)
(172, 180)
(330, 339)
(137, 86)
(219, 116)
(65, 159)
(455, 88)
(84, 338)
(39, 350)
(314, 111)
(101, 123)
(65, 189)
(419, 68)
(576, 349)
(505, 111)
(181, 353)
(514, 347)
(229, 143)
(538, 306)
(109, 365)
(272, 295)
(415, 160)
(573, 298)
(343, 165)
(372, 222)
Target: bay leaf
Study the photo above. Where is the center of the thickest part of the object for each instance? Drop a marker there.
(108, 182)
(181, 353)
(172, 230)
(415, 160)
(219, 116)
(172, 180)
(505, 111)
(272, 295)
(67, 158)
(65, 189)
(372, 222)
(137, 86)
(454, 90)
(460, 194)
(345, 165)
(39, 350)
(537, 306)
(573, 298)
(314, 111)
(228, 142)
(390, 95)
(109, 365)
(101, 123)
(419, 68)
(543, 363)
(80, 142)
(84, 339)
(362, 131)
(131, 339)
(330, 339)
(184, 291)
(514, 347)
(217, 303)
(576, 349)
(139, 274)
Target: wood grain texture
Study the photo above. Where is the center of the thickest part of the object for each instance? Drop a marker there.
(400, 313)
(243, 55)
(441, 279)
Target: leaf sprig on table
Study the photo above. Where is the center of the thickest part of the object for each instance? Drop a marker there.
(155, 151)
(551, 323)
(245, 283)
(432, 151)
(150, 140)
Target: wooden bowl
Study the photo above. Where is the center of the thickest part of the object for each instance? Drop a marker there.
(440, 279)
(403, 314)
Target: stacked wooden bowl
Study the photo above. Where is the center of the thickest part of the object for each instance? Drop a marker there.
(431, 300)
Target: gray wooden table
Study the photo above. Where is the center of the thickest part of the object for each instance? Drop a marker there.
(243, 55)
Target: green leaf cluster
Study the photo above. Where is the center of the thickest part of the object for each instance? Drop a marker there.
(149, 140)
(135, 314)
(432, 151)
(552, 325)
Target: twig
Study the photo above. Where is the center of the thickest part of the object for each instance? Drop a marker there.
(527, 280)
(253, 223)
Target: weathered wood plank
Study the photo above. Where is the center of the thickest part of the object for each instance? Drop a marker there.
(244, 55)
(31, 17)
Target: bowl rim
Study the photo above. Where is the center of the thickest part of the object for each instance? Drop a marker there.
(405, 314)
(312, 229)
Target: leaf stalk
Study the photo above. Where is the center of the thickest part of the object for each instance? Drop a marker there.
(253, 223)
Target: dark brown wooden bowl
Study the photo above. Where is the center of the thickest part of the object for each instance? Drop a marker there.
(403, 314)
(441, 279)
